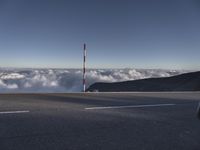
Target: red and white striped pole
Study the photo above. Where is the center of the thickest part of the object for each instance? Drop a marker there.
(84, 66)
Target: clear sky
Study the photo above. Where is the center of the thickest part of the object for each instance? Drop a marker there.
(119, 33)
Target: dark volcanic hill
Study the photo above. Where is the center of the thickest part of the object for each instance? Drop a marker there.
(183, 82)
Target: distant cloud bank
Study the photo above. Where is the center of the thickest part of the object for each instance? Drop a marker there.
(69, 80)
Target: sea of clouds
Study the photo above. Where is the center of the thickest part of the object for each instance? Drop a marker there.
(69, 80)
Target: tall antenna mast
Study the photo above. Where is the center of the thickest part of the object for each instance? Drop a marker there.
(84, 65)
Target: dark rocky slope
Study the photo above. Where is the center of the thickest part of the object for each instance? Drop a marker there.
(183, 82)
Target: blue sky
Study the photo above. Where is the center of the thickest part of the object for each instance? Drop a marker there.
(119, 33)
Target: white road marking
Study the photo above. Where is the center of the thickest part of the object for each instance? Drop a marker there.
(129, 106)
(14, 112)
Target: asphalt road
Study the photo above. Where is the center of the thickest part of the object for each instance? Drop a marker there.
(99, 121)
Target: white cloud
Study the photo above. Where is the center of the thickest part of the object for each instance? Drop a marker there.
(7, 86)
(12, 86)
(70, 80)
(6, 76)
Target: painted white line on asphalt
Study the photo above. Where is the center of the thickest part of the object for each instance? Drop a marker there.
(129, 106)
(14, 112)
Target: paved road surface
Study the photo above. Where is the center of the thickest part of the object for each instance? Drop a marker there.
(99, 121)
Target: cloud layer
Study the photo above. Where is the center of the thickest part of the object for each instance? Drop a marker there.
(69, 80)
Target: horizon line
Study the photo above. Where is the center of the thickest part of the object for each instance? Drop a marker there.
(97, 68)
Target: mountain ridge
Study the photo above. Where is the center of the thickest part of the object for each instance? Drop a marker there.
(183, 82)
